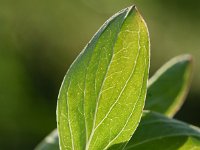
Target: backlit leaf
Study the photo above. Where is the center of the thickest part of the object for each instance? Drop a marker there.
(102, 96)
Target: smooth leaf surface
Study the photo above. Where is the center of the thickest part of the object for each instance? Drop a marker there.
(169, 86)
(102, 96)
(157, 132)
(50, 142)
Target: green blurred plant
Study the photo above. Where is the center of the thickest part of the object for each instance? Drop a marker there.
(101, 100)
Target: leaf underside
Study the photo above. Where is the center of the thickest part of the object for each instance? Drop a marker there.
(102, 96)
(157, 132)
(168, 88)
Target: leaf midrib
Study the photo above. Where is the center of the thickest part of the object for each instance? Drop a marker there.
(99, 94)
(132, 72)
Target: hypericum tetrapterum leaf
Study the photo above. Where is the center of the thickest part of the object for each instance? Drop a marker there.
(169, 86)
(157, 132)
(102, 96)
(50, 142)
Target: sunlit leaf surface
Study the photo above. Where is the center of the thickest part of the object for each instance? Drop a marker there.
(102, 96)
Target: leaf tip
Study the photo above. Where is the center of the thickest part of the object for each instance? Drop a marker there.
(186, 57)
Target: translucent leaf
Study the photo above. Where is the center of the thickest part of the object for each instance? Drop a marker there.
(102, 96)
(169, 86)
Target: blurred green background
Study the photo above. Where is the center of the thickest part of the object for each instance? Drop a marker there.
(39, 40)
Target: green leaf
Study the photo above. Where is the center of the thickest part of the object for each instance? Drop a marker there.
(102, 96)
(169, 86)
(50, 142)
(157, 132)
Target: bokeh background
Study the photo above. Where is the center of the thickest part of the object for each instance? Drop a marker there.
(39, 40)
